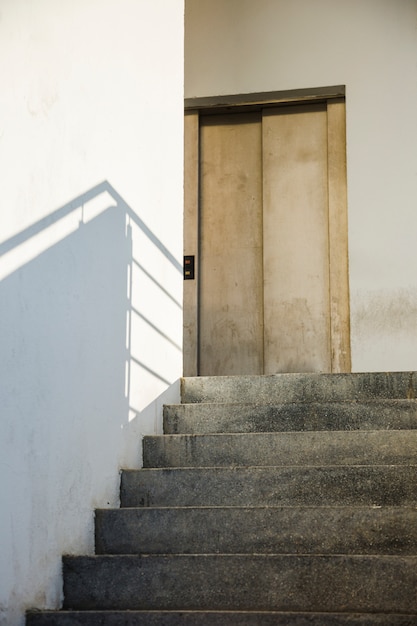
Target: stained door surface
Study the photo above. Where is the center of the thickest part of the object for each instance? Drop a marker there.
(231, 289)
(264, 280)
(296, 243)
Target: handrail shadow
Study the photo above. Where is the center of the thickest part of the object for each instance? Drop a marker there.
(90, 324)
(105, 198)
(79, 202)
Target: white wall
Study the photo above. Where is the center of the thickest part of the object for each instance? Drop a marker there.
(243, 46)
(91, 111)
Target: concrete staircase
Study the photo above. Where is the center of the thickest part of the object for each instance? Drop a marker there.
(287, 499)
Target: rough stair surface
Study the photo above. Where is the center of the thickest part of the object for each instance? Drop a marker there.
(288, 499)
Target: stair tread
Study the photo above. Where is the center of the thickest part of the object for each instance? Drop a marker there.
(289, 448)
(290, 416)
(242, 582)
(354, 484)
(217, 618)
(259, 507)
(144, 470)
(299, 387)
(336, 530)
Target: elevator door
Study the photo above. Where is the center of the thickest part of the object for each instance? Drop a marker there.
(264, 302)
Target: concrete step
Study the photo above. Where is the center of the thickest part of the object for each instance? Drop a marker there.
(242, 582)
(384, 485)
(214, 618)
(299, 387)
(263, 530)
(221, 417)
(395, 447)
(291, 499)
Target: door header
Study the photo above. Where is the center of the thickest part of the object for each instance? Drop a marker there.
(258, 100)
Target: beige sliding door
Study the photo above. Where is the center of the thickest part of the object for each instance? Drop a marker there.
(271, 290)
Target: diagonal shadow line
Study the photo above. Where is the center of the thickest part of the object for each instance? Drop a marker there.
(155, 328)
(156, 283)
(51, 219)
(76, 203)
(143, 227)
(148, 369)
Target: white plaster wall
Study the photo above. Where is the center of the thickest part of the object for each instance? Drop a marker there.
(91, 110)
(243, 46)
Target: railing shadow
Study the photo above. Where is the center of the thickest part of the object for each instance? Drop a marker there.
(89, 340)
(85, 209)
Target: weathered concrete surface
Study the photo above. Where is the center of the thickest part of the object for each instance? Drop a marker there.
(299, 387)
(288, 448)
(290, 530)
(222, 417)
(242, 582)
(263, 486)
(215, 618)
(301, 512)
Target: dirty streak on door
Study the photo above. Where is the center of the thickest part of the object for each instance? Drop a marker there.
(231, 279)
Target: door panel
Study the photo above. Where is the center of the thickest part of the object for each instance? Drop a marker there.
(271, 293)
(296, 247)
(230, 297)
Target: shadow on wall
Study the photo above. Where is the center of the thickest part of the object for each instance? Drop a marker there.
(88, 339)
